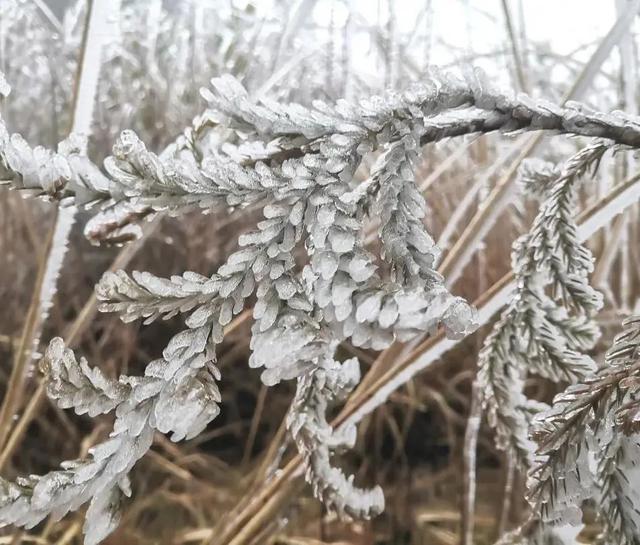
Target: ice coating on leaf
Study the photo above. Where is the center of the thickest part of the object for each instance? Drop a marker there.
(74, 384)
(575, 473)
(401, 206)
(342, 295)
(533, 532)
(316, 439)
(622, 499)
(537, 176)
(103, 516)
(280, 363)
(187, 406)
(65, 175)
(178, 394)
(460, 319)
(143, 295)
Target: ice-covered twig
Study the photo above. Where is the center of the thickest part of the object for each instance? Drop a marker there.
(140, 183)
(586, 448)
(535, 332)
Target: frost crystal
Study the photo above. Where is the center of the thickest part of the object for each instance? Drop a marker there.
(300, 165)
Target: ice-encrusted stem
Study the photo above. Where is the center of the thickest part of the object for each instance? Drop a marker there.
(96, 30)
(101, 18)
(469, 464)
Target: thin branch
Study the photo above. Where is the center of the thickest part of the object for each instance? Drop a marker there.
(459, 255)
(469, 465)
